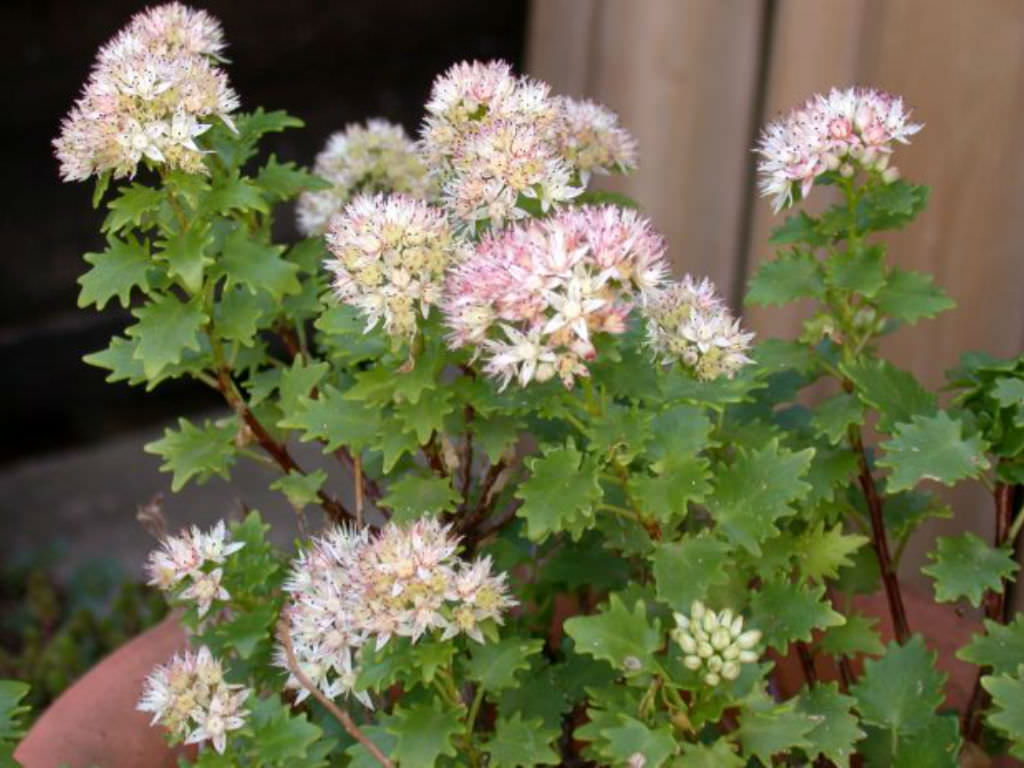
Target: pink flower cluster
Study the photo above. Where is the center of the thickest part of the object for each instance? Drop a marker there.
(842, 131)
(152, 91)
(531, 297)
(496, 141)
(350, 589)
(190, 698)
(181, 565)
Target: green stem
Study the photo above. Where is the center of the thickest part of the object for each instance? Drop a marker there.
(629, 514)
(474, 708)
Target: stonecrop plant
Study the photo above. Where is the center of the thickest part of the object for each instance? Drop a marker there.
(585, 518)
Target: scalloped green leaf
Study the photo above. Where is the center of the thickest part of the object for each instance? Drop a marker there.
(300, 489)
(685, 570)
(859, 269)
(619, 636)
(122, 267)
(165, 330)
(333, 420)
(756, 490)
(280, 735)
(412, 496)
(910, 296)
(283, 181)
(787, 612)
(833, 417)
(494, 665)
(1001, 647)
(964, 566)
(858, 635)
(767, 728)
(683, 480)
(627, 738)
(196, 452)
(902, 689)
(134, 205)
(720, 753)
(185, 255)
(258, 266)
(794, 275)
(560, 494)
(1008, 697)
(895, 394)
(517, 742)
(424, 733)
(933, 448)
(835, 732)
(822, 551)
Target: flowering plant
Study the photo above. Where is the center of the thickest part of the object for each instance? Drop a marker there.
(589, 517)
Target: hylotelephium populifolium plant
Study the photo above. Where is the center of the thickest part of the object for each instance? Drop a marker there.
(589, 516)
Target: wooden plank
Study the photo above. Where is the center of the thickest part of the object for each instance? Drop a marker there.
(683, 77)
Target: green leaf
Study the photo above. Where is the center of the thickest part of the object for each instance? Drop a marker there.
(909, 296)
(800, 228)
(283, 181)
(901, 690)
(679, 431)
(767, 728)
(836, 731)
(1001, 647)
(184, 254)
(135, 204)
(234, 193)
(858, 635)
(891, 206)
(495, 433)
(756, 490)
(787, 612)
(683, 480)
(791, 276)
(166, 328)
(905, 511)
(12, 714)
(718, 754)
(299, 381)
(279, 736)
(965, 566)
(239, 315)
(821, 551)
(424, 733)
(522, 743)
(300, 489)
(895, 394)
(426, 415)
(119, 359)
(495, 665)
(834, 416)
(932, 447)
(859, 269)
(258, 266)
(412, 496)
(934, 746)
(124, 265)
(333, 420)
(832, 469)
(684, 571)
(245, 632)
(1008, 696)
(630, 737)
(616, 634)
(360, 757)
(196, 452)
(560, 494)
(1009, 392)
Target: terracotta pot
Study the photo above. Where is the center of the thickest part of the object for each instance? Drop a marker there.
(94, 722)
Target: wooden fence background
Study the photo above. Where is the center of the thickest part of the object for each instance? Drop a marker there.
(695, 79)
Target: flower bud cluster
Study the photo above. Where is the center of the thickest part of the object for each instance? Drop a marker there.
(531, 297)
(351, 589)
(189, 697)
(715, 643)
(152, 91)
(689, 323)
(183, 565)
(494, 140)
(362, 159)
(844, 131)
(389, 255)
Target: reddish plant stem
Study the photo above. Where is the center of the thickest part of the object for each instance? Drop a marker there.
(467, 459)
(846, 673)
(484, 505)
(371, 490)
(433, 456)
(806, 662)
(901, 628)
(339, 714)
(277, 451)
(995, 609)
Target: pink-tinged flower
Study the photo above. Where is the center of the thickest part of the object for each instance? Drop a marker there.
(389, 255)
(688, 323)
(181, 565)
(843, 131)
(592, 141)
(189, 697)
(363, 159)
(154, 88)
(350, 589)
(204, 589)
(530, 297)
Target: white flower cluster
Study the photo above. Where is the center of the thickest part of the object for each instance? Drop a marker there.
(181, 565)
(842, 131)
(352, 589)
(389, 258)
(531, 296)
(189, 697)
(494, 139)
(715, 642)
(152, 91)
(689, 323)
(362, 159)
